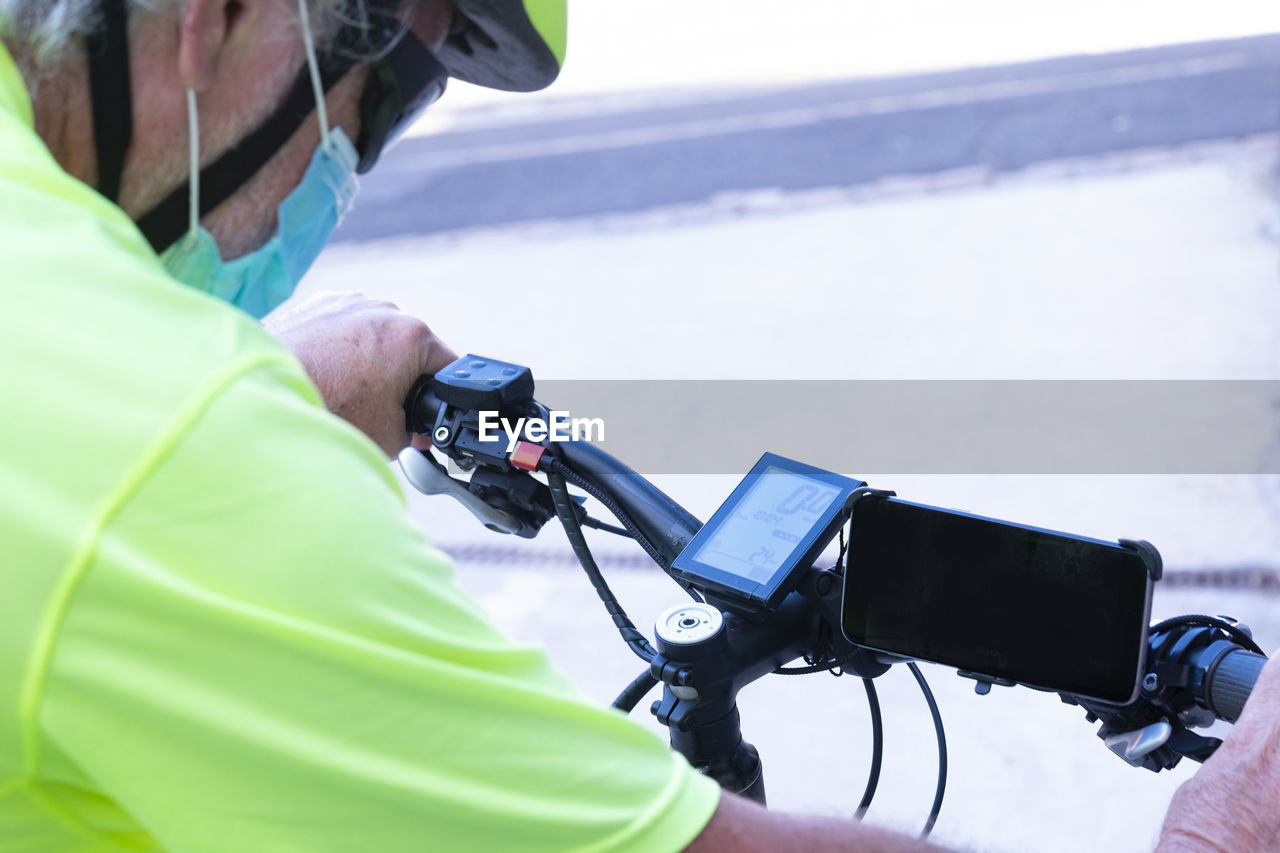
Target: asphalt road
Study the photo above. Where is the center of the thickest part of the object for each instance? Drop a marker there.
(690, 147)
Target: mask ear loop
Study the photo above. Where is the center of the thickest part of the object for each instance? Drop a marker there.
(314, 68)
(193, 126)
(193, 123)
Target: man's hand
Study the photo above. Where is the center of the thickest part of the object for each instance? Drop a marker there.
(1233, 802)
(363, 355)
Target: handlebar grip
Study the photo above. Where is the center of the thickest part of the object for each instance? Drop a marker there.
(1229, 684)
(420, 407)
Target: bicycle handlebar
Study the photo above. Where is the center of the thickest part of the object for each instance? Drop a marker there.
(1196, 665)
(667, 525)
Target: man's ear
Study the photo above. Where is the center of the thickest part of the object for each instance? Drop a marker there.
(208, 27)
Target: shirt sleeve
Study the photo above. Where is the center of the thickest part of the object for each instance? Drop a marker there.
(264, 654)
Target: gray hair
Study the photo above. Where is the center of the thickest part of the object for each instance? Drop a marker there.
(46, 29)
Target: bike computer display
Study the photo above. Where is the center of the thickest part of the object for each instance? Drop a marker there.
(774, 524)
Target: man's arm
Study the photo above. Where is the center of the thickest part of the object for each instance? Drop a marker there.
(264, 654)
(741, 826)
(1233, 803)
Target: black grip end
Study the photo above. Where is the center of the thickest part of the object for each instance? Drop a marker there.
(420, 407)
(1229, 685)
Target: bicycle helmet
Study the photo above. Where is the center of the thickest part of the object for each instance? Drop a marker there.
(515, 45)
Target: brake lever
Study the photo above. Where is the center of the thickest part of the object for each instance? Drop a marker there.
(429, 477)
(1134, 746)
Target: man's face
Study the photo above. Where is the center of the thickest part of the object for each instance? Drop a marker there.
(241, 57)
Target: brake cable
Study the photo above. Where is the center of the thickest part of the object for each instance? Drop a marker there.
(877, 748)
(635, 640)
(942, 748)
(1230, 628)
(554, 465)
(635, 691)
(597, 524)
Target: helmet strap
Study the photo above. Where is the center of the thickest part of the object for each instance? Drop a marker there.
(109, 89)
(168, 220)
(111, 94)
(112, 106)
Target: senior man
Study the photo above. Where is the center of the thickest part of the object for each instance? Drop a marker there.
(218, 629)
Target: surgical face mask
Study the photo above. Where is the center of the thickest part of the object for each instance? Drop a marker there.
(262, 279)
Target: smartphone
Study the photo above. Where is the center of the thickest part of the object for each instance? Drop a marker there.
(1001, 600)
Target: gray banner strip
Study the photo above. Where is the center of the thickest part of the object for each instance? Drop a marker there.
(875, 427)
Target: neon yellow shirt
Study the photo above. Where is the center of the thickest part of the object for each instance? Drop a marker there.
(218, 628)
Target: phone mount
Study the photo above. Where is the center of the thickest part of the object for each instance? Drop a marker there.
(1197, 672)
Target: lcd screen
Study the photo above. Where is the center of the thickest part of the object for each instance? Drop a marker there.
(767, 524)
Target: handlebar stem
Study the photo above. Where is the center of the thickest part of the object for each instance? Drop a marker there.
(701, 681)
